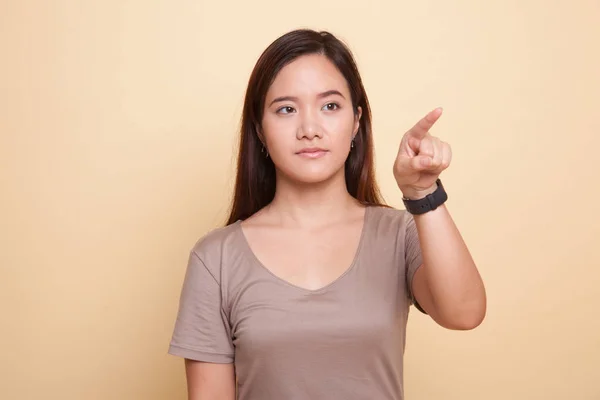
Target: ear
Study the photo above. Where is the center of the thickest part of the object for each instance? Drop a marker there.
(357, 121)
(259, 134)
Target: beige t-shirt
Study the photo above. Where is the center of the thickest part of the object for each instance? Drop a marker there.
(344, 341)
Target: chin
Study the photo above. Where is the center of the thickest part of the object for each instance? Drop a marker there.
(314, 176)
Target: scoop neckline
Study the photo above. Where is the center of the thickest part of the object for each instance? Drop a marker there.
(278, 279)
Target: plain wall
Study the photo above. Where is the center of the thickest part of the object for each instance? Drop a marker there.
(118, 123)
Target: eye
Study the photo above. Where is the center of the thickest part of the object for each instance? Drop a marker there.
(331, 106)
(285, 110)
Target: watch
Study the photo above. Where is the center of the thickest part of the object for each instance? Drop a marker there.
(427, 203)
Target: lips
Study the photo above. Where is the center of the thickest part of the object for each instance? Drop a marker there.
(312, 152)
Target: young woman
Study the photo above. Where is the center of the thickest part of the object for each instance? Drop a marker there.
(305, 293)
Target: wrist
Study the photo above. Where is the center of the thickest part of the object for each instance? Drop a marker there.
(417, 194)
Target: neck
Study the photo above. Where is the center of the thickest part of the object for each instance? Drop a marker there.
(312, 205)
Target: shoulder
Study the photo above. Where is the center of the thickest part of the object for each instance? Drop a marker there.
(216, 239)
(391, 224)
(389, 217)
(215, 245)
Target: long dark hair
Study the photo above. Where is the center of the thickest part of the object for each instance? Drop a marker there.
(255, 180)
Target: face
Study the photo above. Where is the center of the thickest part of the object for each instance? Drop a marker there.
(309, 122)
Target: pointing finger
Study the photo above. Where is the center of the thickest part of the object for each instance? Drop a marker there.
(424, 125)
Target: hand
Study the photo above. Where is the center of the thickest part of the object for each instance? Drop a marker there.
(421, 158)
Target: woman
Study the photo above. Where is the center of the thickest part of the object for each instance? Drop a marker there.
(305, 293)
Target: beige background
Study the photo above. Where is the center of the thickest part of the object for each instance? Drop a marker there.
(118, 126)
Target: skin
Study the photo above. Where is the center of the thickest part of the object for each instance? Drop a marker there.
(309, 234)
(448, 285)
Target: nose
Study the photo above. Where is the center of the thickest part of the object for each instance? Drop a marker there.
(310, 126)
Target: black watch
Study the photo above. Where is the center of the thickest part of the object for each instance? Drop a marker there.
(427, 203)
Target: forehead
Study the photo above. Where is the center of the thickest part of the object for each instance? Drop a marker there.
(308, 75)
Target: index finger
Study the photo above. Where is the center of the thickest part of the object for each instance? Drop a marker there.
(424, 125)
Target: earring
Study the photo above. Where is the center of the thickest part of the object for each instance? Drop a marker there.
(352, 144)
(263, 150)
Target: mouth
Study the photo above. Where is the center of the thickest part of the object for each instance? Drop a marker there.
(312, 152)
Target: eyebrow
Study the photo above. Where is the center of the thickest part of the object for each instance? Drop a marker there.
(319, 96)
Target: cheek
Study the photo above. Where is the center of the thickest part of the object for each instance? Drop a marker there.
(340, 130)
(278, 133)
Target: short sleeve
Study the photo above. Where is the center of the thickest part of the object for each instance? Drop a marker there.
(202, 330)
(413, 256)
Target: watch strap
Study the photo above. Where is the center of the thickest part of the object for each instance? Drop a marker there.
(427, 203)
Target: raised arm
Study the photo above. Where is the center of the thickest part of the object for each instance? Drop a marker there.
(447, 285)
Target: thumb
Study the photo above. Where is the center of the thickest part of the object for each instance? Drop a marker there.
(418, 163)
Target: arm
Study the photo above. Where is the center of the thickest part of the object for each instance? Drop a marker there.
(202, 334)
(448, 285)
(210, 381)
